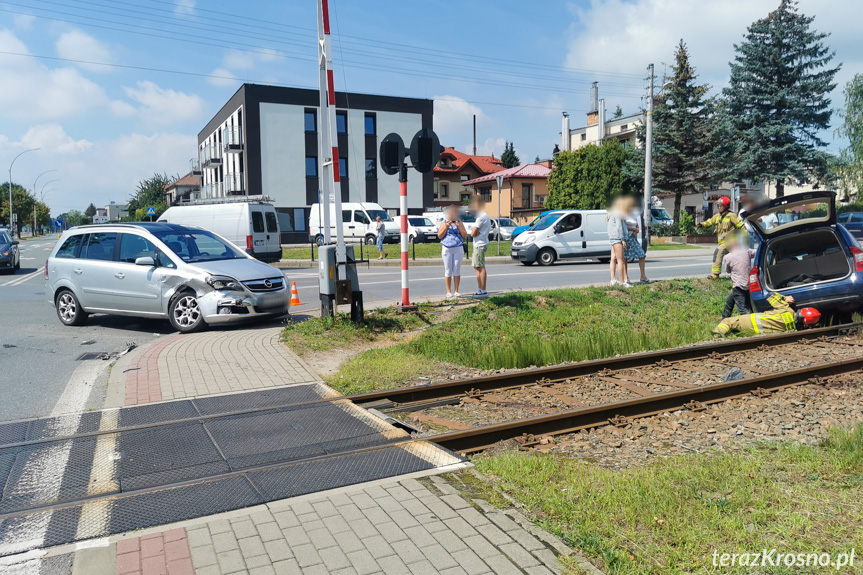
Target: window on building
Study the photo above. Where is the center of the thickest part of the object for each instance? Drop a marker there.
(465, 177)
(465, 198)
(583, 137)
(526, 195)
(311, 167)
(343, 168)
(311, 121)
(486, 193)
(342, 122)
(444, 190)
(371, 169)
(371, 125)
(623, 127)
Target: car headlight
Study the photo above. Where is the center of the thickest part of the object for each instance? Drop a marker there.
(224, 283)
(5, 253)
(528, 240)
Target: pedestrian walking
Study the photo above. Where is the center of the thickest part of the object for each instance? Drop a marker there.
(617, 238)
(452, 234)
(781, 318)
(632, 250)
(481, 227)
(727, 223)
(380, 230)
(737, 262)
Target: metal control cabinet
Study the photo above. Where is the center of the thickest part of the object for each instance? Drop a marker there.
(337, 290)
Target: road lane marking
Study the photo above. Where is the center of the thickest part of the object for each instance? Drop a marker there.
(18, 280)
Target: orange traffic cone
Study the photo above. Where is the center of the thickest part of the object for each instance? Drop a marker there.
(295, 297)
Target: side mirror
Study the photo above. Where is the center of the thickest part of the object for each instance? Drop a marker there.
(145, 261)
(557, 228)
(15, 242)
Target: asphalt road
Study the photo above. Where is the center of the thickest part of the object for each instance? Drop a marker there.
(38, 355)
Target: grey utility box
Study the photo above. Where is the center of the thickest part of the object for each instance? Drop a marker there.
(337, 290)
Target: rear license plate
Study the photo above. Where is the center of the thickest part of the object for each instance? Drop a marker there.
(259, 242)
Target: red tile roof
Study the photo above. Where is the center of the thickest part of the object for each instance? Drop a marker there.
(523, 171)
(485, 164)
(187, 180)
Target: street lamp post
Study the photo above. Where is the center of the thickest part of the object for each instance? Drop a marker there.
(41, 197)
(10, 184)
(34, 196)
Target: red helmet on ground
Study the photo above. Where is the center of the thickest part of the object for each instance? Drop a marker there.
(810, 315)
(723, 201)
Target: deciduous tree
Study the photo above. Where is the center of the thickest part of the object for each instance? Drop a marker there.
(590, 177)
(848, 168)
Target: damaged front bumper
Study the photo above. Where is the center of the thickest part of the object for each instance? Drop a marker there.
(228, 306)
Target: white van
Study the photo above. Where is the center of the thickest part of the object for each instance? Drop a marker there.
(358, 223)
(564, 234)
(248, 223)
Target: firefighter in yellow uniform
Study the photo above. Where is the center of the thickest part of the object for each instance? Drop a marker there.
(726, 223)
(781, 318)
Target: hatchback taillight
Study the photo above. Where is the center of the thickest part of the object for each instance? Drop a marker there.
(754, 282)
(858, 258)
(250, 243)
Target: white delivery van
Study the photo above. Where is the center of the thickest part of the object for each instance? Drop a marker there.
(358, 223)
(564, 234)
(248, 223)
(422, 230)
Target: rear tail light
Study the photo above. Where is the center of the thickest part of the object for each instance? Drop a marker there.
(754, 282)
(46, 269)
(858, 258)
(250, 243)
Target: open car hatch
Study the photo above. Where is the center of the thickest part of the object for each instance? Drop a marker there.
(793, 213)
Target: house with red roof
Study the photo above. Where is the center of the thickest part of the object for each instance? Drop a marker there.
(184, 189)
(454, 169)
(522, 195)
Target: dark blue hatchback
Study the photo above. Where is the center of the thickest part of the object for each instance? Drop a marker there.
(805, 254)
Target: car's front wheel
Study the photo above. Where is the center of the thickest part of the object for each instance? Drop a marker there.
(184, 313)
(546, 257)
(69, 308)
(371, 240)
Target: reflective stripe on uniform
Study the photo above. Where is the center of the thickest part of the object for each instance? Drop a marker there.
(722, 327)
(756, 322)
(788, 318)
(775, 299)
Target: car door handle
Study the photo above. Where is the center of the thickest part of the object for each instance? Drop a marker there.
(78, 271)
(119, 275)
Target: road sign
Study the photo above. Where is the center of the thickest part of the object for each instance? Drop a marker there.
(499, 182)
(151, 211)
(425, 150)
(58, 223)
(392, 154)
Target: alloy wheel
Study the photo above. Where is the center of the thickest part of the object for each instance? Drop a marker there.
(186, 311)
(67, 307)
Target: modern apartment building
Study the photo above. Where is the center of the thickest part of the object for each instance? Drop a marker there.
(264, 141)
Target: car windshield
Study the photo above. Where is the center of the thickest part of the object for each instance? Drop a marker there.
(199, 246)
(507, 223)
(4, 239)
(468, 218)
(385, 217)
(545, 222)
(660, 213)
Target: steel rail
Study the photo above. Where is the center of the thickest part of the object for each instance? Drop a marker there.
(451, 389)
(479, 438)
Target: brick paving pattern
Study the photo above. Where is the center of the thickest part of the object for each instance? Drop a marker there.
(165, 553)
(401, 527)
(213, 362)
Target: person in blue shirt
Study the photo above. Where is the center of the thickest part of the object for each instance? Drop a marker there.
(452, 234)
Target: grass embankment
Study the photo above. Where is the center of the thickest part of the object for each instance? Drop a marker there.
(523, 329)
(669, 517)
(431, 250)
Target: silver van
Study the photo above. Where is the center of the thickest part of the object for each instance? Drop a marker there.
(187, 275)
(564, 234)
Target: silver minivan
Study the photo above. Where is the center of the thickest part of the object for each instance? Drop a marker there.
(188, 275)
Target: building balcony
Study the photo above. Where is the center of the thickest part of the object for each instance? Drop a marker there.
(212, 190)
(234, 184)
(195, 167)
(211, 156)
(232, 140)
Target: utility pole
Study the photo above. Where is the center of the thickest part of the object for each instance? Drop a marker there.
(648, 161)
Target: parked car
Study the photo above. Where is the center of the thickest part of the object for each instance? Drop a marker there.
(190, 276)
(853, 222)
(805, 255)
(660, 217)
(521, 229)
(251, 225)
(507, 226)
(358, 223)
(421, 230)
(563, 234)
(10, 257)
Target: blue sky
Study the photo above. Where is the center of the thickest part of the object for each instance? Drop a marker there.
(516, 65)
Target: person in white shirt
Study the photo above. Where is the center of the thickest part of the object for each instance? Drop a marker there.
(480, 243)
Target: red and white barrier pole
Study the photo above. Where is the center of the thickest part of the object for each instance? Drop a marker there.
(403, 215)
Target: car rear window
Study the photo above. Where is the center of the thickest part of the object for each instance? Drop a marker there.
(69, 249)
(257, 222)
(100, 246)
(272, 223)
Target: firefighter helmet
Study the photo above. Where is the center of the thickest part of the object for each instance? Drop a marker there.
(810, 315)
(724, 201)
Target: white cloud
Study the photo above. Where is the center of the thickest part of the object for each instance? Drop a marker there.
(242, 60)
(184, 7)
(23, 21)
(225, 78)
(488, 147)
(162, 106)
(42, 93)
(76, 45)
(53, 140)
(453, 116)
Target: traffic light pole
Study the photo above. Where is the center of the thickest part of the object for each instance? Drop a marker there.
(403, 216)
